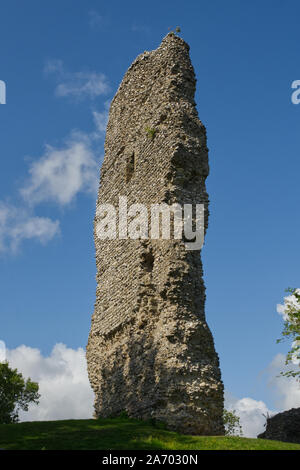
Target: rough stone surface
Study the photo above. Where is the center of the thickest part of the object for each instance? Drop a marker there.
(283, 427)
(150, 351)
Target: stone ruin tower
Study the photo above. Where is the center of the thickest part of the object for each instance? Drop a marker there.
(150, 351)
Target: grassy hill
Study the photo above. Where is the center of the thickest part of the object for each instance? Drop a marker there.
(119, 433)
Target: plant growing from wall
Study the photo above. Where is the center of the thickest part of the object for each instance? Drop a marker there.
(177, 30)
(151, 132)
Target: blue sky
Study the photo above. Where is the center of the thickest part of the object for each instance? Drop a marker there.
(62, 63)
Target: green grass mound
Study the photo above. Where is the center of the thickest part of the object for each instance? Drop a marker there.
(119, 434)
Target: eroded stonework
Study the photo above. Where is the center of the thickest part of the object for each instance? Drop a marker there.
(283, 427)
(150, 351)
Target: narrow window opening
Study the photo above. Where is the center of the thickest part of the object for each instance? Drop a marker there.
(130, 167)
(148, 261)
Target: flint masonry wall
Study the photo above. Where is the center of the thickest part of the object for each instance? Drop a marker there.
(150, 351)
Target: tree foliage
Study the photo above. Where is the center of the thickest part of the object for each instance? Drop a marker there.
(232, 423)
(15, 393)
(291, 315)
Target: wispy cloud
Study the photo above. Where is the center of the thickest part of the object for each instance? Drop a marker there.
(18, 224)
(79, 85)
(140, 28)
(57, 176)
(96, 21)
(61, 173)
(100, 120)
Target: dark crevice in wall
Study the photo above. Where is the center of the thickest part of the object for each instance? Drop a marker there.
(148, 261)
(130, 167)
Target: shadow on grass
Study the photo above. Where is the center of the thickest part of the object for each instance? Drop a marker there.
(118, 434)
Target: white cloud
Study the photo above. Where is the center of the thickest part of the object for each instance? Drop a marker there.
(57, 176)
(77, 84)
(2, 351)
(63, 382)
(18, 224)
(100, 120)
(60, 173)
(287, 389)
(66, 392)
(252, 412)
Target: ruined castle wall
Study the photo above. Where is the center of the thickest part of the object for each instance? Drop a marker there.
(150, 351)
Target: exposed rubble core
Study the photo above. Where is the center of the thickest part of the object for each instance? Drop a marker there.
(283, 426)
(150, 351)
